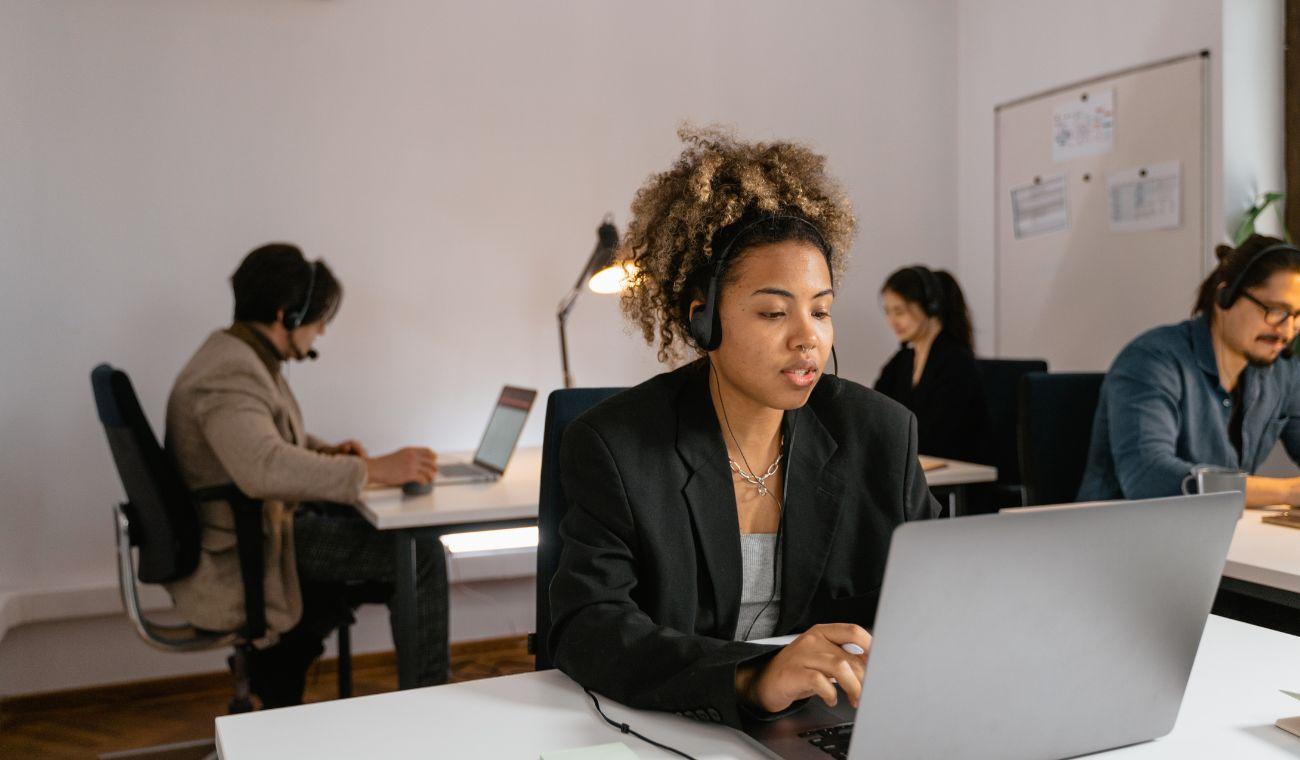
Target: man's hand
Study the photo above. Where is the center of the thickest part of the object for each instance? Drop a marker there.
(805, 667)
(411, 464)
(349, 448)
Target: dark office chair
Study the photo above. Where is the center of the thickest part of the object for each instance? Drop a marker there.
(160, 521)
(1001, 380)
(562, 408)
(1056, 411)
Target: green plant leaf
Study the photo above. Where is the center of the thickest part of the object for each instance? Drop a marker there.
(1247, 226)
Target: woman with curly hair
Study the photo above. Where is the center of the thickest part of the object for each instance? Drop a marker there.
(743, 495)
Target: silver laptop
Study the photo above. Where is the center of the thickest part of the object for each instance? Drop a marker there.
(498, 443)
(1035, 633)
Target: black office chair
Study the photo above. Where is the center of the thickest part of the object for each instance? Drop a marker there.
(1056, 411)
(160, 521)
(1001, 380)
(562, 407)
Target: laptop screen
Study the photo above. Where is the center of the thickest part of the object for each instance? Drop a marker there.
(504, 428)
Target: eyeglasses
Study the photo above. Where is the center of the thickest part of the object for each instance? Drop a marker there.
(1273, 316)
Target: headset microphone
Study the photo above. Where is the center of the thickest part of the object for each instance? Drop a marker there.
(293, 320)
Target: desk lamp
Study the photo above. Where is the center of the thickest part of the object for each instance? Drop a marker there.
(605, 272)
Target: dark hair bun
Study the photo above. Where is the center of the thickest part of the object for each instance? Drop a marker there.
(1222, 251)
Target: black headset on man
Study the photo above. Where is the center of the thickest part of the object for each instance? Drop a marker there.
(1226, 297)
(293, 319)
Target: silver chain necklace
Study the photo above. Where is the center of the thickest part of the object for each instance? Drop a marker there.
(758, 480)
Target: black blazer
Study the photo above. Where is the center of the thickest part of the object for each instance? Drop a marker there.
(952, 413)
(647, 595)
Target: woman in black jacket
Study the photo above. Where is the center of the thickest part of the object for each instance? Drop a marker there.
(934, 372)
(743, 495)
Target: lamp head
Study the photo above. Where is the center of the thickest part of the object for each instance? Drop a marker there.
(607, 272)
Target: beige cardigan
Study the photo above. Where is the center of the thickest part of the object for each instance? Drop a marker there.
(230, 418)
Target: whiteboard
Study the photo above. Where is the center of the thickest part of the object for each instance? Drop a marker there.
(1076, 285)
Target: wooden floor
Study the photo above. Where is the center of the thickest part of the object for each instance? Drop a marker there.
(91, 722)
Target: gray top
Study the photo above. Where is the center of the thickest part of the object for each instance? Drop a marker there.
(760, 604)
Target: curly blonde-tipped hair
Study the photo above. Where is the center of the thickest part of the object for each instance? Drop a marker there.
(716, 181)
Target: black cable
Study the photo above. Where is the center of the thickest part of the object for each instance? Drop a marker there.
(718, 384)
(628, 730)
(776, 561)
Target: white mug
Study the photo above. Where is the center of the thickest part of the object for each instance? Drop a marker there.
(1212, 479)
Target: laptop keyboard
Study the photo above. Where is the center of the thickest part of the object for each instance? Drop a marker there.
(459, 470)
(833, 740)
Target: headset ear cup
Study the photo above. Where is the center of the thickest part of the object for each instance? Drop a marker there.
(1224, 298)
(705, 323)
(705, 328)
(699, 332)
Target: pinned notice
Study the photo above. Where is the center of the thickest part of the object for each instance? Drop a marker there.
(1084, 126)
(1039, 208)
(1146, 198)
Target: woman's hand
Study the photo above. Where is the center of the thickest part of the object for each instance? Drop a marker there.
(805, 667)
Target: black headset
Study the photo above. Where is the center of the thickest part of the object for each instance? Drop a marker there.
(1228, 296)
(931, 291)
(293, 320)
(706, 321)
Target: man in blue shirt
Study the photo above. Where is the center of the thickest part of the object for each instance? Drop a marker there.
(1209, 390)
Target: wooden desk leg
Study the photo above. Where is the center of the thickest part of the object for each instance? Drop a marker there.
(407, 638)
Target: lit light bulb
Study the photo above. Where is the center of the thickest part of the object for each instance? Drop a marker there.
(613, 278)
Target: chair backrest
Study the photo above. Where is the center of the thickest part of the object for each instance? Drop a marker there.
(1056, 411)
(562, 407)
(164, 524)
(1001, 388)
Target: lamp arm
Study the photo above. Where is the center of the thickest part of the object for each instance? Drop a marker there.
(566, 303)
(564, 351)
(562, 316)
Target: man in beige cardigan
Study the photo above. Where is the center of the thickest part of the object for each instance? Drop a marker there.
(231, 418)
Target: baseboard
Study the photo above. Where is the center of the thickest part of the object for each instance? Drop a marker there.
(22, 606)
(155, 688)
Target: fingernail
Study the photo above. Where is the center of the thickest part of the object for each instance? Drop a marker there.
(852, 648)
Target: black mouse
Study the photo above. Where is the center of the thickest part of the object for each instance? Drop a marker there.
(413, 488)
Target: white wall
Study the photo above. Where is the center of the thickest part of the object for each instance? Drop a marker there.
(1254, 126)
(1009, 49)
(449, 160)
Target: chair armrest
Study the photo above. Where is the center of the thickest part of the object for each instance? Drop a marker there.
(248, 541)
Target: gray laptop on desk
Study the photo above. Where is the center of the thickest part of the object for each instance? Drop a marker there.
(1038, 633)
(498, 443)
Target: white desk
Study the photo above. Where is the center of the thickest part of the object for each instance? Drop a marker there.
(954, 476)
(1264, 560)
(1231, 703)
(955, 473)
(507, 502)
(512, 497)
